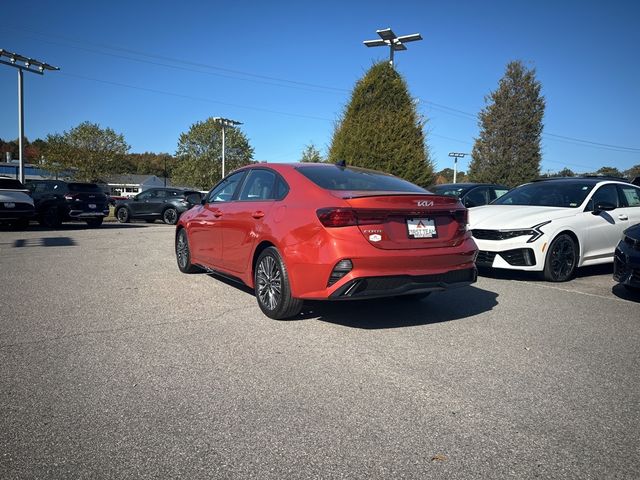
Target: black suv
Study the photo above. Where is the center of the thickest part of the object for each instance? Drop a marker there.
(57, 201)
(150, 205)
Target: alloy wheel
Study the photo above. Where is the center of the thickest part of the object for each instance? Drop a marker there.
(269, 283)
(562, 258)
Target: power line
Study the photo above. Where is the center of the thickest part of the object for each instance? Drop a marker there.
(291, 83)
(191, 97)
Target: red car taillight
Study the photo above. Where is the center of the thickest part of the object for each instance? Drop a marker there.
(347, 217)
(337, 217)
(462, 217)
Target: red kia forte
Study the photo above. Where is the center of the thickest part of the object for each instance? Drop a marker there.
(309, 231)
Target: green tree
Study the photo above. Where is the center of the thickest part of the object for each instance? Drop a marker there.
(199, 154)
(566, 172)
(87, 150)
(311, 154)
(633, 172)
(609, 172)
(507, 150)
(381, 129)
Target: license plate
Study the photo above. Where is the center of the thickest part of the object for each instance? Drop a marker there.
(421, 228)
(9, 205)
(92, 205)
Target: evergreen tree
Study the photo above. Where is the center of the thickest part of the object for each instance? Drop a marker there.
(381, 129)
(199, 154)
(311, 154)
(507, 150)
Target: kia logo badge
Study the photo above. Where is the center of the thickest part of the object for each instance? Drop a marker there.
(425, 203)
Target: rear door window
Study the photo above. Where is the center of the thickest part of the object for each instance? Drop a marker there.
(259, 186)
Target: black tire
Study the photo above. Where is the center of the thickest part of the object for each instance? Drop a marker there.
(94, 222)
(170, 216)
(123, 215)
(561, 260)
(183, 253)
(272, 288)
(51, 217)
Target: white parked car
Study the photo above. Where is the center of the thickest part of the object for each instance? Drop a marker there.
(554, 226)
(16, 205)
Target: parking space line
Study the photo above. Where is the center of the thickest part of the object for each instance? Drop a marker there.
(577, 291)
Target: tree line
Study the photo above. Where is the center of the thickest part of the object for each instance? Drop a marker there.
(379, 128)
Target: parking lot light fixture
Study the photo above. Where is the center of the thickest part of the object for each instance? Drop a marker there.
(391, 40)
(23, 64)
(225, 122)
(456, 156)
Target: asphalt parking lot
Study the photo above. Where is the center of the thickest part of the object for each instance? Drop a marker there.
(115, 365)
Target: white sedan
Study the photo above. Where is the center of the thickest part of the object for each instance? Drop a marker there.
(554, 226)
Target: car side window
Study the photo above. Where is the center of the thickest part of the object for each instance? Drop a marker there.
(498, 192)
(258, 186)
(630, 196)
(476, 197)
(224, 191)
(281, 188)
(146, 195)
(161, 194)
(605, 194)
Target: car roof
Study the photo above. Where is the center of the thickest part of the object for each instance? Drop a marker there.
(468, 185)
(584, 178)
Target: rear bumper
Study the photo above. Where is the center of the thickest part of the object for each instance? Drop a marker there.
(391, 286)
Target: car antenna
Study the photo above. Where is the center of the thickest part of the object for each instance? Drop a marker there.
(341, 163)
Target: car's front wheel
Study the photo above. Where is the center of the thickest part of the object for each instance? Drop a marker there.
(272, 287)
(123, 215)
(170, 216)
(562, 259)
(183, 253)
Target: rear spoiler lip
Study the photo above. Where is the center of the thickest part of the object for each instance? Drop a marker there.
(348, 194)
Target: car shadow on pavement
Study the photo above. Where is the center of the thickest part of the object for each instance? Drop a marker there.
(518, 275)
(397, 312)
(80, 226)
(621, 292)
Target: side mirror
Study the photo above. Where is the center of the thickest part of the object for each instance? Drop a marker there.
(468, 203)
(603, 207)
(204, 200)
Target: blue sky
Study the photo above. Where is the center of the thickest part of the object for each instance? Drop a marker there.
(285, 69)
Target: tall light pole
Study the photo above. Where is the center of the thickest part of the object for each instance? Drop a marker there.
(23, 64)
(456, 156)
(225, 122)
(391, 40)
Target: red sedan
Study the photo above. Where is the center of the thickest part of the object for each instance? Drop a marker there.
(306, 231)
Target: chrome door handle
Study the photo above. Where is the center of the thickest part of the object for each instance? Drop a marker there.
(257, 215)
(623, 217)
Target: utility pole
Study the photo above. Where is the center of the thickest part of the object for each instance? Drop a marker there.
(456, 156)
(225, 122)
(391, 40)
(23, 64)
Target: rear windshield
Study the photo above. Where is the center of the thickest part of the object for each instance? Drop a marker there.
(84, 187)
(11, 184)
(359, 179)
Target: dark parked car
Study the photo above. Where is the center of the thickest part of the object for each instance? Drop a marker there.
(16, 205)
(471, 194)
(157, 203)
(57, 201)
(626, 260)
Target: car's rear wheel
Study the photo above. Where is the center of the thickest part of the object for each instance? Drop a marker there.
(562, 259)
(272, 287)
(170, 216)
(183, 253)
(51, 217)
(123, 215)
(94, 222)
